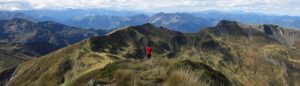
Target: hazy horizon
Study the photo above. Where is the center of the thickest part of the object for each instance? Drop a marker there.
(277, 7)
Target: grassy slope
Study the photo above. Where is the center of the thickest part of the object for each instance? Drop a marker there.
(246, 59)
(60, 67)
(158, 72)
(255, 59)
(9, 60)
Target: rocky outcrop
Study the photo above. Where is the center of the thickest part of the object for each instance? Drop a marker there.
(284, 36)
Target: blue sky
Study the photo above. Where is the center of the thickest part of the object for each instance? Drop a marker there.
(284, 7)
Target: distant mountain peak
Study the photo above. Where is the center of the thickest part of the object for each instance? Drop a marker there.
(227, 22)
(144, 26)
(20, 20)
(8, 15)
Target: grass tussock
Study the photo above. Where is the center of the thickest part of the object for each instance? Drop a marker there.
(186, 77)
(124, 78)
(159, 73)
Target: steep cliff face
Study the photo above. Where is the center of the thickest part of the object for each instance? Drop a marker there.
(230, 53)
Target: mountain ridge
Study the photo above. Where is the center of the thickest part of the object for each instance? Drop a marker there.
(48, 32)
(231, 50)
(185, 22)
(22, 40)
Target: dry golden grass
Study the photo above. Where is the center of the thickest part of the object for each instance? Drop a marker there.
(185, 77)
(153, 72)
(225, 59)
(124, 77)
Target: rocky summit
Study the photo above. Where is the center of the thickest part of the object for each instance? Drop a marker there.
(229, 54)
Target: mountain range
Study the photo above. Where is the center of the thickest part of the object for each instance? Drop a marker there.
(22, 40)
(49, 35)
(176, 21)
(101, 47)
(230, 53)
(184, 22)
(6, 15)
(252, 18)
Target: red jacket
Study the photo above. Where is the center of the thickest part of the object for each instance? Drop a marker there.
(148, 50)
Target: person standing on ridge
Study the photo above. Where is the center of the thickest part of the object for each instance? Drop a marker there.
(148, 52)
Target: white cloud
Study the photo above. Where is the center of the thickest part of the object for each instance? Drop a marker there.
(265, 6)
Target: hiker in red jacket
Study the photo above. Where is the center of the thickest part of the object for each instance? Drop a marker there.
(148, 52)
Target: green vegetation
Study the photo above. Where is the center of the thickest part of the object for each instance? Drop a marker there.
(229, 54)
(159, 72)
